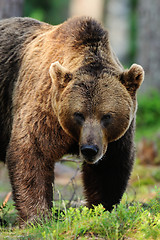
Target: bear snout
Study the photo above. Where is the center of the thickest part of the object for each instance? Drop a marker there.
(89, 152)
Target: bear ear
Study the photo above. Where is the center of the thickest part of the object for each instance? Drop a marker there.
(59, 74)
(133, 78)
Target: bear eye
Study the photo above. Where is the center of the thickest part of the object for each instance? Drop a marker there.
(106, 119)
(79, 118)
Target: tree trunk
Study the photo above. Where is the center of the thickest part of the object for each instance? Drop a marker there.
(11, 8)
(116, 21)
(149, 42)
(93, 8)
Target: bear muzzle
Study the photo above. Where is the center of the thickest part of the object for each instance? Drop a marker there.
(89, 153)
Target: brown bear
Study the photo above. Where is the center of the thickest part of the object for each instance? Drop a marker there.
(62, 90)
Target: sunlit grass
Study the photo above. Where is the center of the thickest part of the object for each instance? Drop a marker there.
(135, 221)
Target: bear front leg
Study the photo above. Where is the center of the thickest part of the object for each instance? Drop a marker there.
(31, 176)
(106, 181)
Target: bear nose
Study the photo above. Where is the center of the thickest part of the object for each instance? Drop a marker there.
(89, 151)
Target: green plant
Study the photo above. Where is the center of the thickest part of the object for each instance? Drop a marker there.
(7, 215)
(136, 220)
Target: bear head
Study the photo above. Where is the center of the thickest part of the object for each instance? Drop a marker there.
(95, 110)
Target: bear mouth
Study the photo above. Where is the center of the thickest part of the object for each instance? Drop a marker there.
(91, 161)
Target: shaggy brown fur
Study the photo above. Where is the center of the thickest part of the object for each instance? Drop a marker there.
(62, 91)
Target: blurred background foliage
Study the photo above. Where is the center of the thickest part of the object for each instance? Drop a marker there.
(50, 11)
(148, 116)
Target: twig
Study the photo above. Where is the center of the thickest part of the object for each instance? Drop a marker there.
(70, 160)
(5, 200)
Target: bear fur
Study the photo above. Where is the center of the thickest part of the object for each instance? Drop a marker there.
(62, 90)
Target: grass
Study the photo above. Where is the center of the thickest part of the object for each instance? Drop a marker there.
(127, 221)
(137, 217)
